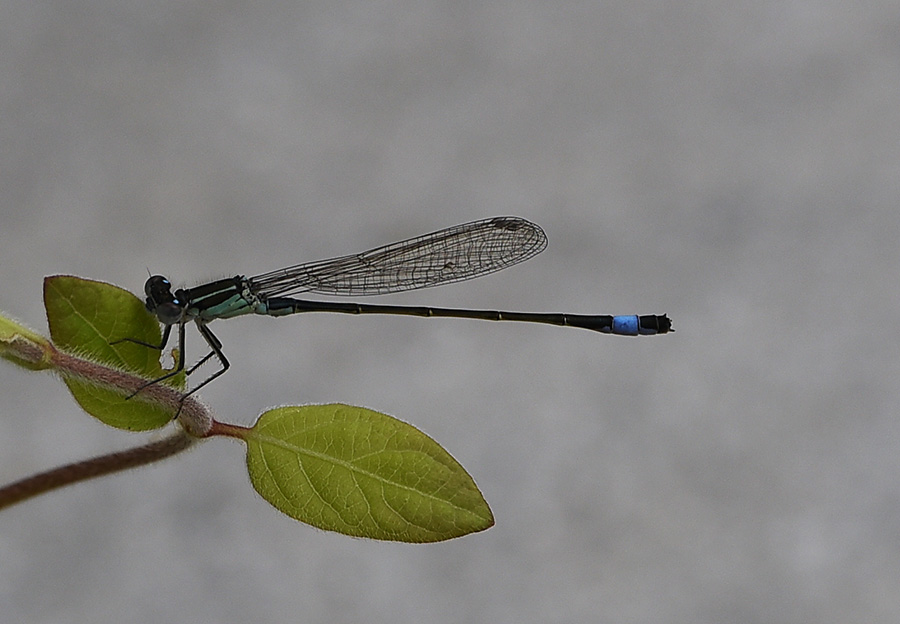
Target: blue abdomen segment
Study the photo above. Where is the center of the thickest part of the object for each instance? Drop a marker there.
(627, 325)
(647, 325)
(623, 325)
(634, 325)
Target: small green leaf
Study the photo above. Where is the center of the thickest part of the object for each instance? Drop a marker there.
(13, 337)
(362, 473)
(85, 317)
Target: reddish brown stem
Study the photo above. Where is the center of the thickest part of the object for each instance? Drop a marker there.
(224, 429)
(95, 467)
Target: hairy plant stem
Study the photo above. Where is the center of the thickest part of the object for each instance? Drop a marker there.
(195, 418)
(94, 467)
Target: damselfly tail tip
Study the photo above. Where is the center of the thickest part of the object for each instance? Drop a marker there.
(665, 325)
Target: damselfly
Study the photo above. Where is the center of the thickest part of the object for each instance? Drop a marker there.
(451, 255)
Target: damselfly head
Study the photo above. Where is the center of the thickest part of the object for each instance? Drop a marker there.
(161, 302)
(158, 290)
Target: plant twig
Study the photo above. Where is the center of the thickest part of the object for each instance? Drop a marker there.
(95, 467)
(39, 353)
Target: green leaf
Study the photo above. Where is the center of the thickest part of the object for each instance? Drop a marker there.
(362, 473)
(85, 317)
(15, 337)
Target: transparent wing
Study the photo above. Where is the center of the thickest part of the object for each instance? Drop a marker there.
(458, 253)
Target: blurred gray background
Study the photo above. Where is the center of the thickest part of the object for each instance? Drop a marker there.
(735, 166)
